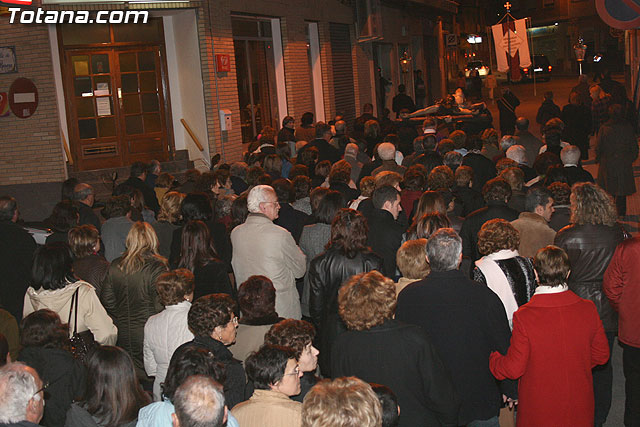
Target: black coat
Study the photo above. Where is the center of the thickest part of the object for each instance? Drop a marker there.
(348, 193)
(547, 111)
(577, 126)
(466, 322)
(385, 238)
(235, 382)
(577, 174)
(507, 109)
(66, 377)
(150, 198)
(87, 215)
(292, 220)
(466, 200)
(326, 151)
(403, 358)
(327, 272)
(474, 221)
(590, 248)
(483, 169)
(212, 278)
(16, 256)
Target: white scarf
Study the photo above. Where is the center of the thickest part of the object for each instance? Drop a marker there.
(542, 290)
(497, 280)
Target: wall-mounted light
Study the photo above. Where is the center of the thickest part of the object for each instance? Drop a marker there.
(405, 61)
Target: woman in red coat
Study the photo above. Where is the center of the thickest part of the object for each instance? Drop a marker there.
(557, 339)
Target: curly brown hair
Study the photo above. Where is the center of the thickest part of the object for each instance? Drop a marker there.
(340, 172)
(210, 311)
(366, 300)
(590, 204)
(349, 232)
(174, 285)
(497, 234)
(441, 177)
(292, 333)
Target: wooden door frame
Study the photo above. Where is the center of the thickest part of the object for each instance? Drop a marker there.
(115, 47)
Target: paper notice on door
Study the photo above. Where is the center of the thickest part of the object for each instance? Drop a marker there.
(102, 89)
(104, 106)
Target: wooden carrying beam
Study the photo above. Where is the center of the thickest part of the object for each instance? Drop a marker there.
(192, 135)
(66, 148)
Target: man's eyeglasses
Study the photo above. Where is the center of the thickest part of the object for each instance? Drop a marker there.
(296, 371)
(43, 390)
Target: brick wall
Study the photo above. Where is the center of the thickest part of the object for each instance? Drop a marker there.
(30, 149)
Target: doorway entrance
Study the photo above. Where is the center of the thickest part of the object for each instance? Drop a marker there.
(117, 106)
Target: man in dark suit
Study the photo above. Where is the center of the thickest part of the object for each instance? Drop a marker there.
(570, 156)
(466, 322)
(136, 180)
(16, 256)
(325, 150)
(385, 233)
(497, 193)
(84, 197)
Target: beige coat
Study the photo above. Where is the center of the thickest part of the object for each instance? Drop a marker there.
(535, 233)
(91, 313)
(268, 408)
(262, 248)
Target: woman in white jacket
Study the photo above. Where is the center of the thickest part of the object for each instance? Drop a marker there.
(53, 287)
(167, 330)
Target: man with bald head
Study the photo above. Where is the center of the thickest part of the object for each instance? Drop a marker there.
(527, 140)
(84, 196)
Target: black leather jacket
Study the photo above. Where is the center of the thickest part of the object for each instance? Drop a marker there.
(327, 272)
(590, 248)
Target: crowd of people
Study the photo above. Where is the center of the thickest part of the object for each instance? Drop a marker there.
(374, 273)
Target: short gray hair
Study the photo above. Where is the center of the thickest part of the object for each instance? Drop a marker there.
(570, 155)
(17, 387)
(507, 141)
(517, 153)
(199, 402)
(386, 151)
(257, 195)
(82, 191)
(443, 250)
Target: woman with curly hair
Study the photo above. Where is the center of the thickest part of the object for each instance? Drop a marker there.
(129, 293)
(381, 350)
(590, 241)
(346, 254)
(45, 347)
(213, 323)
(167, 330)
(501, 268)
(297, 335)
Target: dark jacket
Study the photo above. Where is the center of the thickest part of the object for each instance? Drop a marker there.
(92, 269)
(327, 272)
(66, 377)
(326, 151)
(221, 243)
(87, 215)
(616, 150)
(16, 255)
(291, 219)
(474, 221)
(507, 110)
(590, 248)
(403, 358)
(466, 322)
(530, 143)
(547, 111)
(466, 200)
(577, 126)
(348, 193)
(150, 198)
(212, 279)
(130, 299)
(402, 101)
(483, 169)
(164, 230)
(80, 417)
(20, 424)
(577, 174)
(560, 218)
(235, 382)
(385, 237)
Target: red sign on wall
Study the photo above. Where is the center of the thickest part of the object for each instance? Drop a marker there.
(23, 98)
(223, 64)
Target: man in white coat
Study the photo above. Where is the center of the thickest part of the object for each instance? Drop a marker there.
(262, 248)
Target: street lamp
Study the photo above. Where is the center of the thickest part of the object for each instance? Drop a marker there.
(580, 49)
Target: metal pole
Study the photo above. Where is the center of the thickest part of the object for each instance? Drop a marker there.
(533, 56)
(509, 45)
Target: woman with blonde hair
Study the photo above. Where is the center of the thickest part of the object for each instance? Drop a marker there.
(129, 293)
(590, 241)
(168, 221)
(375, 341)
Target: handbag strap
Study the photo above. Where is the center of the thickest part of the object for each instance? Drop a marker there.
(74, 301)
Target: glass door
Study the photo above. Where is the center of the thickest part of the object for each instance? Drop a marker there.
(117, 107)
(94, 125)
